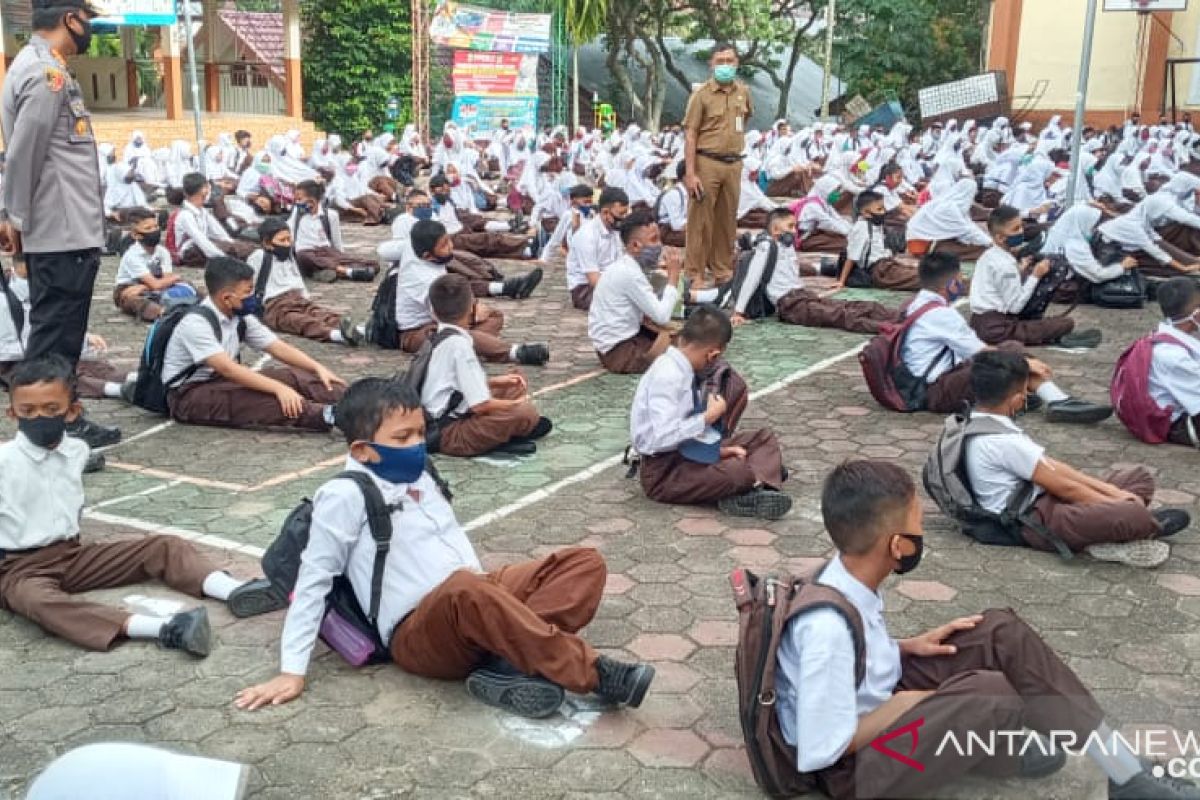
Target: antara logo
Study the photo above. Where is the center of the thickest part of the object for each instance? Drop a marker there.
(880, 743)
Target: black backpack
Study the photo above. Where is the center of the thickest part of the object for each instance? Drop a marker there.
(152, 386)
(264, 276)
(381, 325)
(759, 306)
(414, 376)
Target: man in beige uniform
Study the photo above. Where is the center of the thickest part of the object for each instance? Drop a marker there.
(715, 125)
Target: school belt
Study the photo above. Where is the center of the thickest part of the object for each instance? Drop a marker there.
(724, 158)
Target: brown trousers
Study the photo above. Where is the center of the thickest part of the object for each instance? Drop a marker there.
(1183, 237)
(1083, 524)
(38, 584)
(965, 252)
(384, 185)
(492, 245)
(712, 221)
(476, 434)
(823, 242)
(672, 238)
(132, 299)
(947, 394)
(1151, 267)
(238, 248)
(794, 184)
(90, 376)
(895, 274)
(1179, 431)
(527, 613)
(581, 296)
(313, 261)
(221, 402)
(994, 327)
(291, 312)
(485, 333)
(754, 218)
(479, 271)
(372, 206)
(632, 356)
(803, 307)
(1002, 677)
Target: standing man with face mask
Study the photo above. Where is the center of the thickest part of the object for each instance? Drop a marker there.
(715, 128)
(53, 210)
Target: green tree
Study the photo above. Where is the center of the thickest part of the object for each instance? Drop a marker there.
(356, 56)
(585, 21)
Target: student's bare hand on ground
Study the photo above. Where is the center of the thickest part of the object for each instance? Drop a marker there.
(931, 643)
(733, 452)
(291, 403)
(274, 692)
(328, 378)
(715, 408)
(97, 343)
(738, 320)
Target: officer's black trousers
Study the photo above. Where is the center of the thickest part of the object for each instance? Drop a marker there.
(60, 296)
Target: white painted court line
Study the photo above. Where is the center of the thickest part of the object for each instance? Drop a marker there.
(218, 542)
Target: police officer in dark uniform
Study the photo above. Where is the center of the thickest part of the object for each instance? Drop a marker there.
(53, 210)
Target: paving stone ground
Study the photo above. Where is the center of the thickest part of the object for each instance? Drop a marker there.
(378, 733)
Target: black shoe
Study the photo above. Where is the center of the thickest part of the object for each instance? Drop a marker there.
(1088, 339)
(530, 282)
(255, 597)
(188, 631)
(534, 355)
(1171, 521)
(95, 435)
(1033, 403)
(543, 427)
(361, 274)
(351, 335)
(784, 474)
(502, 685)
(621, 683)
(760, 503)
(1077, 412)
(1038, 762)
(1145, 786)
(95, 463)
(127, 390)
(515, 447)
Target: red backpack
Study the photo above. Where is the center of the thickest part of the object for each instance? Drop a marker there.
(169, 240)
(1130, 391)
(891, 383)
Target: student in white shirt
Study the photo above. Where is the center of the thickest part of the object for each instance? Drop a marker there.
(971, 677)
(43, 563)
(317, 238)
(145, 270)
(867, 251)
(671, 208)
(198, 234)
(944, 225)
(483, 237)
(627, 321)
(579, 211)
(940, 344)
(820, 228)
(1175, 369)
(441, 614)
(1071, 237)
(595, 246)
(899, 201)
(1003, 302)
(287, 306)
(1137, 232)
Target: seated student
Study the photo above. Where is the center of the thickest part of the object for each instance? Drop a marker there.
(45, 563)
(595, 246)
(671, 210)
(971, 677)
(477, 414)
(510, 633)
(489, 241)
(689, 451)
(867, 251)
(1175, 370)
(1136, 233)
(940, 346)
(944, 225)
(198, 234)
(317, 236)
(145, 270)
(1006, 301)
(627, 320)
(207, 384)
(1109, 518)
(819, 227)
(579, 211)
(1072, 237)
(433, 250)
(287, 307)
(899, 199)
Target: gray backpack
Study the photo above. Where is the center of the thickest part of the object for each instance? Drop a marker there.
(415, 376)
(946, 483)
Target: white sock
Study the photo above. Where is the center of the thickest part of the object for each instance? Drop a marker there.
(527, 253)
(112, 389)
(362, 330)
(1050, 392)
(131, 377)
(336, 336)
(1112, 755)
(706, 295)
(219, 585)
(496, 288)
(141, 626)
(327, 415)
(495, 226)
(512, 354)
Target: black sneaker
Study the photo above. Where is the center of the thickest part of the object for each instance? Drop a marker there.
(95, 435)
(760, 503)
(1033, 403)
(95, 463)
(255, 597)
(361, 274)
(188, 631)
(350, 332)
(534, 355)
(515, 447)
(1146, 786)
(127, 390)
(1038, 762)
(543, 427)
(502, 685)
(530, 282)
(1087, 340)
(1171, 521)
(621, 683)
(1077, 412)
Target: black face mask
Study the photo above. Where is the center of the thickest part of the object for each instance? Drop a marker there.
(151, 239)
(281, 253)
(45, 432)
(909, 563)
(82, 41)
(877, 219)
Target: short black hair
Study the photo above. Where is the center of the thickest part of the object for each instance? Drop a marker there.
(865, 199)
(634, 222)
(862, 500)
(1177, 296)
(414, 193)
(438, 181)
(367, 401)
(237, 137)
(776, 214)
(1001, 216)
(611, 196)
(890, 168)
(269, 228)
(312, 189)
(581, 190)
(135, 215)
(50, 368)
(996, 375)
(707, 325)
(721, 47)
(47, 15)
(450, 297)
(193, 182)
(937, 268)
(222, 272)
(425, 235)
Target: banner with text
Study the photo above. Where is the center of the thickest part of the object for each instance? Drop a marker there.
(484, 113)
(475, 28)
(504, 74)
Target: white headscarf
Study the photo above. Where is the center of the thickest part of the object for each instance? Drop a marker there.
(948, 216)
(284, 166)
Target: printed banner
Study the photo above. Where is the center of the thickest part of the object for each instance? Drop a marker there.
(485, 113)
(494, 73)
(475, 28)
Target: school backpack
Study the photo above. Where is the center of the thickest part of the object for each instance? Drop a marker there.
(381, 324)
(150, 391)
(1047, 287)
(890, 382)
(264, 277)
(765, 606)
(759, 306)
(414, 376)
(1130, 391)
(946, 483)
(1124, 291)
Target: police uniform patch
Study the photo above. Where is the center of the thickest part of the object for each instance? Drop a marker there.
(81, 127)
(55, 79)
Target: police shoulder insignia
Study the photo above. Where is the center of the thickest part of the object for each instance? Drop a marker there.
(55, 79)
(81, 127)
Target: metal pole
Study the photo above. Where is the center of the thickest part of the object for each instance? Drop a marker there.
(191, 43)
(575, 93)
(830, 12)
(1085, 66)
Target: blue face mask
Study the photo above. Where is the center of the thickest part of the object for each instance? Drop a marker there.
(649, 256)
(787, 239)
(955, 290)
(423, 212)
(249, 306)
(1014, 241)
(398, 464)
(585, 211)
(724, 73)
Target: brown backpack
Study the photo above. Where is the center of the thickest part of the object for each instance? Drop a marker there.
(765, 606)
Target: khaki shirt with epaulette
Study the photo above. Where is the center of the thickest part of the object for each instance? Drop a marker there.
(52, 175)
(716, 116)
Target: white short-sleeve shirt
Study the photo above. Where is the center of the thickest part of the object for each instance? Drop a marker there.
(193, 342)
(454, 367)
(1000, 464)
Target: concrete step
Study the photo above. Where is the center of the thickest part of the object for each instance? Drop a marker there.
(160, 132)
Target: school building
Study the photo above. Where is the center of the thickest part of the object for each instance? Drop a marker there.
(247, 63)
(1038, 43)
